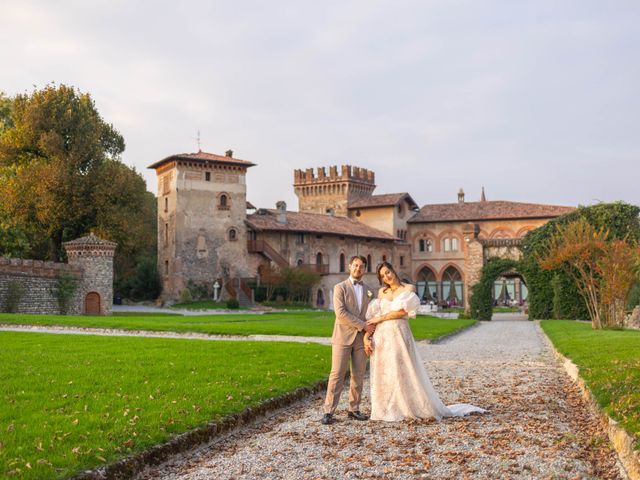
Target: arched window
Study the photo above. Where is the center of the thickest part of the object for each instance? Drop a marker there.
(369, 263)
(454, 244)
(223, 202)
(421, 245)
(452, 287)
(429, 246)
(233, 235)
(446, 244)
(319, 258)
(299, 262)
(426, 285)
(342, 262)
(384, 258)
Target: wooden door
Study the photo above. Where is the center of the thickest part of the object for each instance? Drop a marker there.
(92, 304)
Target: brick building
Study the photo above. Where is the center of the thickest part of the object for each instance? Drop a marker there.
(209, 233)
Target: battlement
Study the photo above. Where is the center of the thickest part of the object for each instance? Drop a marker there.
(319, 176)
(37, 268)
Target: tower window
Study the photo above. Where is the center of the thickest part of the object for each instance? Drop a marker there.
(166, 204)
(233, 235)
(207, 176)
(223, 202)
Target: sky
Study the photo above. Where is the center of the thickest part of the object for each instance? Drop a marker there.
(536, 101)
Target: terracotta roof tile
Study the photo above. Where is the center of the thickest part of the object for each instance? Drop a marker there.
(383, 200)
(267, 220)
(90, 239)
(203, 157)
(491, 210)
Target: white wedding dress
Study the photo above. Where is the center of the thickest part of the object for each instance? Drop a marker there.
(400, 385)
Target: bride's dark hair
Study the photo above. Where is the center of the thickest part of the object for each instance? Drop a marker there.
(390, 267)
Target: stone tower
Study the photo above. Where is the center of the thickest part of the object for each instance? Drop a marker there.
(202, 203)
(331, 194)
(95, 258)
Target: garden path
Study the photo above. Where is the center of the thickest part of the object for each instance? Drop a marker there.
(538, 425)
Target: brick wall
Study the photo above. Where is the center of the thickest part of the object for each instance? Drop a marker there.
(38, 281)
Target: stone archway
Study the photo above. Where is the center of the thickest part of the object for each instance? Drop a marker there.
(92, 304)
(482, 292)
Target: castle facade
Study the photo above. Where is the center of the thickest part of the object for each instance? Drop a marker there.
(208, 232)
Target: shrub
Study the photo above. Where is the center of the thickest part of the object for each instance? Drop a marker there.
(233, 304)
(185, 296)
(15, 291)
(64, 291)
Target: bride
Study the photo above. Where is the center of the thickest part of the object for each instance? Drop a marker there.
(400, 385)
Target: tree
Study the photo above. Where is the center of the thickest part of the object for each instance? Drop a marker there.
(618, 218)
(603, 270)
(61, 177)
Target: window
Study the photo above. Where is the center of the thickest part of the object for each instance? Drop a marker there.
(224, 201)
(446, 244)
(369, 263)
(207, 176)
(402, 260)
(300, 238)
(384, 258)
(454, 244)
(342, 262)
(233, 235)
(166, 233)
(166, 267)
(429, 246)
(166, 204)
(422, 245)
(299, 262)
(319, 258)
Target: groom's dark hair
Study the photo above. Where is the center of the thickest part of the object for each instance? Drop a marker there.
(362, 259)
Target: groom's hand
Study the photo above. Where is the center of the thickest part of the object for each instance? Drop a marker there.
(369, 328)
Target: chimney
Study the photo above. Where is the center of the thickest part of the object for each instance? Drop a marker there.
(482, 197)
(228, 153)
(461, 196)
(281, 206)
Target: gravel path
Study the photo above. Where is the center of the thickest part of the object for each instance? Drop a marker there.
(113, 332)
(538, 425)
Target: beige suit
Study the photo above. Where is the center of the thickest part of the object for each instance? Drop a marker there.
(347, 343)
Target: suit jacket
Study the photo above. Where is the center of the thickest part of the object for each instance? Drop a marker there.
(349, 319)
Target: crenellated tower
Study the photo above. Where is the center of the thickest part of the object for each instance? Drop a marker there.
(330, 194)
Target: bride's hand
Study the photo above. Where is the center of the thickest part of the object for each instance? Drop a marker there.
(374, 320)
(368, 347)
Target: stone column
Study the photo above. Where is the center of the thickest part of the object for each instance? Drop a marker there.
(473, 260)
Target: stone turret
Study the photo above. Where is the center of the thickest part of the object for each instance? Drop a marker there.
(330, 194)
(94, 257)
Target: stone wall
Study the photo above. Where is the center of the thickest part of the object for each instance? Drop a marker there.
(38, 282)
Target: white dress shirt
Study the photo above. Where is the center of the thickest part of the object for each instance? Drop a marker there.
(359, 289)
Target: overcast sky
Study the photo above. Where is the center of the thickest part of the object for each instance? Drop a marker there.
(537, 101)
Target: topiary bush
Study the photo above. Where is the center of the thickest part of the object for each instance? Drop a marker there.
(233, 304)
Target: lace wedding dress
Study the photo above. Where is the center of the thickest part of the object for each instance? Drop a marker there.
(400, 385)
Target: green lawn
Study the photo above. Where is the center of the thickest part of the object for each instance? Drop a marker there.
(73, 402)
(609, 362)
(311, 324)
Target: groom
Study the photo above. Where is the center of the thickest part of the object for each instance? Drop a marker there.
(350, 301)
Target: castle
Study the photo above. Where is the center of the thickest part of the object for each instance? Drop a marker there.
(208, 232)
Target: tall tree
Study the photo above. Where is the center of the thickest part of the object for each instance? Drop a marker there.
(61, 177)
(51, 155)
